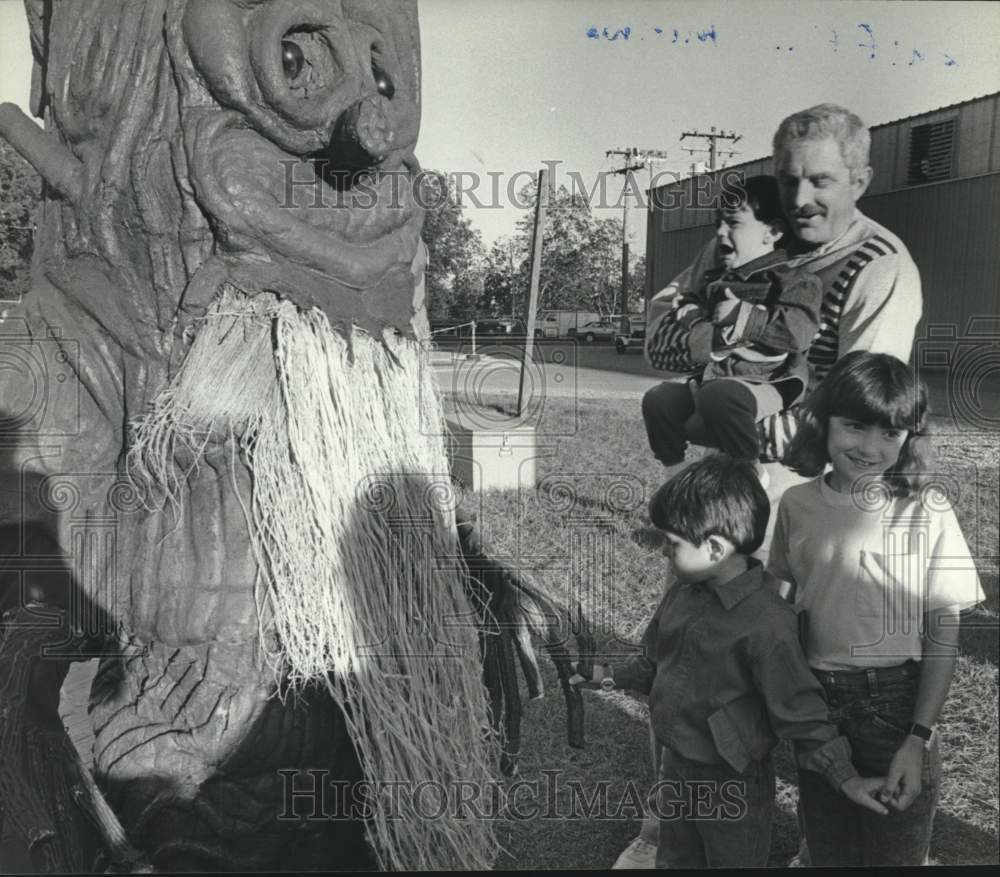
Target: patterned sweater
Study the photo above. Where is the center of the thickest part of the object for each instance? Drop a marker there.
(871, 301)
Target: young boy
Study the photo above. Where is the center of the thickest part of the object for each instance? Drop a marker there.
(750, 326)
(726, 677)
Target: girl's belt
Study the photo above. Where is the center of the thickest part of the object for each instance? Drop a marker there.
(871, 678)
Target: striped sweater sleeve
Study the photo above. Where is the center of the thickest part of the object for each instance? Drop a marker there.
(681, 345)
(872, 303)
(668, 342)
(882, 312)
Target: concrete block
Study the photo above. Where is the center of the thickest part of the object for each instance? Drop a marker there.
(498, 458)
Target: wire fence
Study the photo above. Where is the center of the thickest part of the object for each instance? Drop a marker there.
(471, 323)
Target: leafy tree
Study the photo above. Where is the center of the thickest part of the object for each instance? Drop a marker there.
(637, 285)
(20, 189)
(581, 254)
(581, 259)
(454, 281)
(504, 286)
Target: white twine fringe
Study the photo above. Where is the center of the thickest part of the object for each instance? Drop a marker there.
(352, 526)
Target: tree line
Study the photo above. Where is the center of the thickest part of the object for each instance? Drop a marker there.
(20, 189)
(580, 269)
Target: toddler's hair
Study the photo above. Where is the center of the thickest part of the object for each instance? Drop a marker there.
(760, 194)
(718, 496)
(874, 389)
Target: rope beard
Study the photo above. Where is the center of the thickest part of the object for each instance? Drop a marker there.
(360, 578)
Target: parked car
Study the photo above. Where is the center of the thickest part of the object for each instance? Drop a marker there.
(595, 330)
(508, 329)
(634, 339)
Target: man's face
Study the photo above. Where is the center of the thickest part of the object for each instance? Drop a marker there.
(817, 189)
(742, 237)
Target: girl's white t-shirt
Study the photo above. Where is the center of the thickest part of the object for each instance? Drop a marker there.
(866, 569)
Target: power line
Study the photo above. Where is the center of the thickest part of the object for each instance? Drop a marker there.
(632, 163)
(713, 148)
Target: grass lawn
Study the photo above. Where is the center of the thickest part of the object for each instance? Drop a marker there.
(583, 534)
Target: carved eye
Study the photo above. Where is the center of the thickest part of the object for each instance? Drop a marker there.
(292, 59)
(308, 62)
(383, 81)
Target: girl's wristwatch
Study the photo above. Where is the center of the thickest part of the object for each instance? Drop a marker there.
(923, 732)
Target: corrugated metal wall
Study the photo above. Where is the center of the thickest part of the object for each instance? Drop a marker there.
(949, 227)
(673, 253)
(951, 230)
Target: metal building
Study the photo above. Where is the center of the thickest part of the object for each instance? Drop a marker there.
(936, 185)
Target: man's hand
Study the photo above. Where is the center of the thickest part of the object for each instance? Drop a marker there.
(862, 791)
(902, 785)
(727, 310)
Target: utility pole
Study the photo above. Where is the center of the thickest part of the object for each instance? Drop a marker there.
(713, 147)
(630, 155)
(541, 205)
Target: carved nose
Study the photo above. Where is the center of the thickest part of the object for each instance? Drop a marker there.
(362, 138)
(372, 127)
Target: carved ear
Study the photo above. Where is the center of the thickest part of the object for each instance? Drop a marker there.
(39, 14)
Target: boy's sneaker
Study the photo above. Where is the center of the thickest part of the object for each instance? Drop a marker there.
(639, 855)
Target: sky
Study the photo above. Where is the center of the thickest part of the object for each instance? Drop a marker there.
(511, 84)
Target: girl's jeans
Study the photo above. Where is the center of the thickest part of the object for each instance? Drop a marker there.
(874, 710)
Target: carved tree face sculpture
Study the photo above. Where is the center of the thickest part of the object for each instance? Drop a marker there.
(264, 148)
(323, 101)
(267, 142)
(191, 144)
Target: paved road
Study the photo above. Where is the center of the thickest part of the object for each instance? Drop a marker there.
(559, 369)
(964, 403)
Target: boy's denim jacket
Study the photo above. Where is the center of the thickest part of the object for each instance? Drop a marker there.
(766, 336)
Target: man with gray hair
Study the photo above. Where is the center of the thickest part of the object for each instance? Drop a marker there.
(871, 287)
(871, 290)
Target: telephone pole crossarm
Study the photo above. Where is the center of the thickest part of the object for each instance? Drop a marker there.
(713, 138)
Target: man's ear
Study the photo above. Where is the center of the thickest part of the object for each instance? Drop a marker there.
(719, 548)
(861, 181)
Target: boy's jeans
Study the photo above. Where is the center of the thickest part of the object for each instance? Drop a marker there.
(874, 711)
(711, 816)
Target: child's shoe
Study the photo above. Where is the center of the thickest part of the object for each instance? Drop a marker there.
(638, 855)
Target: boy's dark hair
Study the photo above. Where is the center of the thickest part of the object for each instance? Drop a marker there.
(718, 496)
(870, 388)
(760, 194)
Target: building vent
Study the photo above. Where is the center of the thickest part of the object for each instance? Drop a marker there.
(931, 149)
